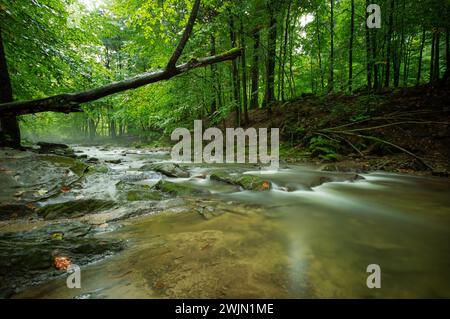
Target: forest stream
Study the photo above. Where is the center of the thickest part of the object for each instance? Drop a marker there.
(212, 231)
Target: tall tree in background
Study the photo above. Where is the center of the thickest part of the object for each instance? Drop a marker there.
(389, 45)
(331, 79)
(254, 103)
(350, 49)
(269, 96)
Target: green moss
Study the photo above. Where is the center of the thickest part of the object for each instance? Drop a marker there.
(74, 208)
(176, 189)
(137, 195)
(248, 182)
(74, 165)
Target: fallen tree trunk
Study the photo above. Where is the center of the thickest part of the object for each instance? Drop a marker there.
(70, 102)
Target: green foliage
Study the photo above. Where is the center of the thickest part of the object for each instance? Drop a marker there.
(323, 148)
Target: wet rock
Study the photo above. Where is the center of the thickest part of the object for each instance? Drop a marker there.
(27, 257)
(35, 176)
(247, 182)
(55, 148)
(440, 172)
(116, 161)
(74, 209)
(168, 169)
(92, 160)
(319, 180)
(12, 211)
(51, 146)
(134, 192)
(176, 189)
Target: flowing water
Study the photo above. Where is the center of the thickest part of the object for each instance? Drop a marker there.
(301, 239)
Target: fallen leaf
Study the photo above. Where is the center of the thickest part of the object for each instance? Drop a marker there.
(61, 263)
(31, 206)
(266, 185)
(59, 236)
(65, 189)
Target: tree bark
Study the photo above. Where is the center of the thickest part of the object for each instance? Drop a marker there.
(350, 50)
(422, 44)
(185, 37)
(235, 75)
(269, 97)
(433, 40)
(331, 80)
(369, 60)
(213, 74)
(70, 102)
(9, 126)
(244, 72)
(254, 103)
(389, 44)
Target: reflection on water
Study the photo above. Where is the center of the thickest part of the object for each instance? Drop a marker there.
(302, 239)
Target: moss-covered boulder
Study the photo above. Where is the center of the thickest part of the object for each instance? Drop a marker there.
(74, 209)
(176, 189)
(247, 182)
(168, 169)
(137, 192)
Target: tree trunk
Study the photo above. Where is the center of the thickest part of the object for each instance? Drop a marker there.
(254, 103)
(436, 72)
(331, 80)
(369, 60)
(433, 41)
(319, 51)
(447, 53)
(419, 71)
(269, 97)
(9, 126)
(244, 72)
(235, 75)
(213, 74)
(284, 56)
(350, 50)
(389, 44)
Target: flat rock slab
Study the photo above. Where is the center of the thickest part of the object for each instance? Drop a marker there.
(27, 177)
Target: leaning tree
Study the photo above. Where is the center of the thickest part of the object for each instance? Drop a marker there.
(71, 102)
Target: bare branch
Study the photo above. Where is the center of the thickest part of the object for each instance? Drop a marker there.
(185, 37)
(70, 102)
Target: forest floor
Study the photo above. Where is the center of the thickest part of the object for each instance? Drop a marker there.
(403, 130)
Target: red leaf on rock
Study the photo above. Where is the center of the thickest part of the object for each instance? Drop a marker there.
(61, 263)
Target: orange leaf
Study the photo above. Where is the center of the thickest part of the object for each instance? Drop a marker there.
(61, 263)
(266, 185)
(65, 189)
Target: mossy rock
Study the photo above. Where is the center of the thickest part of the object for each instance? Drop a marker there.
(74, 209)
(137, 195)
(168, 169)
(176, 189)
(247, 182)
(76, 166)
(135, 192)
